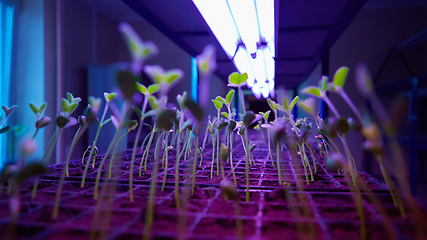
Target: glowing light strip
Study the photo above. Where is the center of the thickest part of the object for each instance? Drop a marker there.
(245, 17)
(218, 16)
(250, 22)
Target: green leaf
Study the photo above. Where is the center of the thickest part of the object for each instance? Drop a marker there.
(111, 96)
(61, 121)
(180, 99)
(72, 107)
(194, 109)
(153, 88)
(127, 84)
(141, 88)
(224, 114)
(292, 104)
(272, 104)
(340, 76)
(174, 75)
(237, 80)
(34, 108)
(308, 105)
(312, 91)
(232, 125)
(42, 107)
(285, 103)
(323, 83)
(220, 99)
(229, 96)
(70, 97)
(5, 129)
(106, 121)
(222, 125)
(65, 105)
(153, 102)
(218, 104)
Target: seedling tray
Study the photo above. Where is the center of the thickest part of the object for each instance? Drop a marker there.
(323, 209)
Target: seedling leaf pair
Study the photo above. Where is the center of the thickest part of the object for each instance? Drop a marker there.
(237, 80)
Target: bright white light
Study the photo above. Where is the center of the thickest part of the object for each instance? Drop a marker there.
(243, 66)
(269, 64)
(245, 16)
(256, 90)
(265, 9)
(258, 66)
(218, 16)
(264, 90)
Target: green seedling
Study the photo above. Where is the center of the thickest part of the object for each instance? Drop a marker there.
(140, 51)
(166, 151)
(42, 121)
(238, 80)
(218, 106)
(89, 148)
(84, 122)
(200, 151)
(211, 129)
(131, 125)
(248, 119)
(197, 116)
(265, 117)
(63, 121)
(320, 92)
(108, 98)
(147, 92)
(232, 125)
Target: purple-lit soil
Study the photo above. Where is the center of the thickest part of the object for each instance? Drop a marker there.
(322, 209)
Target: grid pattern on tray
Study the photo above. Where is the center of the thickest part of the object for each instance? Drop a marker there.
(264, 212)
(261, 206)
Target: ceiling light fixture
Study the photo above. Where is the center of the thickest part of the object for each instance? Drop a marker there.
(245, 30)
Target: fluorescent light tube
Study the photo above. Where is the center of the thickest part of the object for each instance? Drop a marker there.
(218, 16)
(245, 17)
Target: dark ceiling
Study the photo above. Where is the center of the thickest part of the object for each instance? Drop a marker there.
(304, 30)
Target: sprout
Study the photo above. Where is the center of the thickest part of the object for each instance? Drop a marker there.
(140, 51)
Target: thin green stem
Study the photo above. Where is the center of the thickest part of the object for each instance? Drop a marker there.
(269, 148)
(143, 154)
(195, 165)
(177, 171)
(217, 153)
(231, 158)
(166, 167)
(247, 164)
(149, 214)
(278, 164)
(312, 155)
(114, 155)
(98, 176)
(213, 154)
(303, 163)
(147, 149)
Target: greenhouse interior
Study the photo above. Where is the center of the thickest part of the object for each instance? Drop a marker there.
(213, 119)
